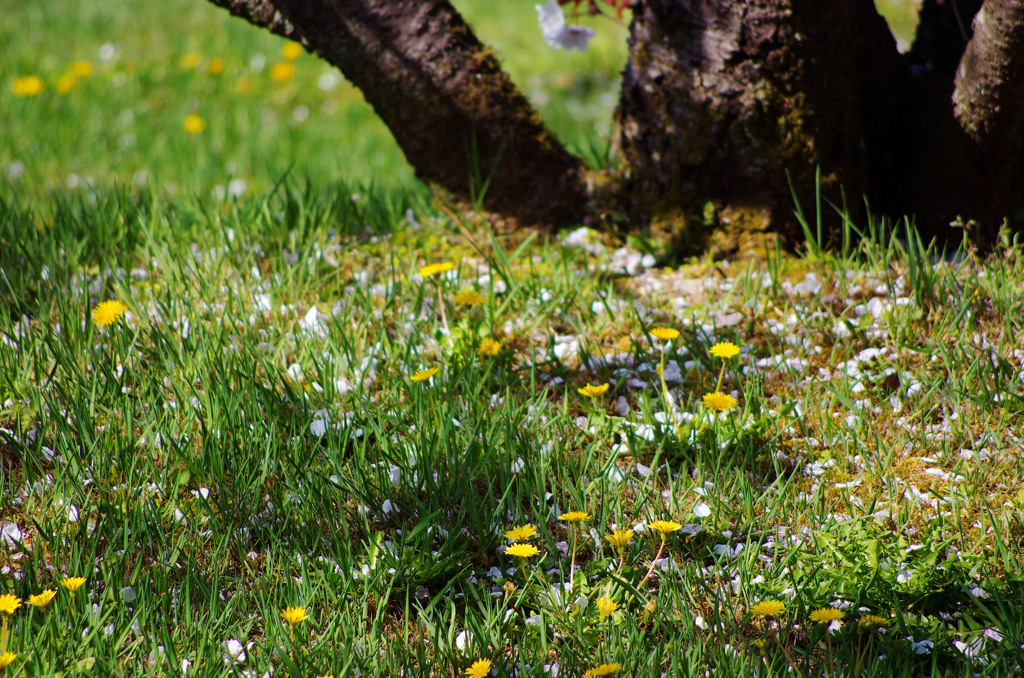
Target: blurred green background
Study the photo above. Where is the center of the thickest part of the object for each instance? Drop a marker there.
(180, 96)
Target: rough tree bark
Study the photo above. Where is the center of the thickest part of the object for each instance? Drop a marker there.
(455, 114)
(724, 103)
(988, 101)
(722, 99)
(989, 87)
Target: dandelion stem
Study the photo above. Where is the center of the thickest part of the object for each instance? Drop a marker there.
(661, 373)
(721, 373)
(444, 317)
(572, 561)
(789, 658)
(665, 395)
(653, 561)
(862, 653)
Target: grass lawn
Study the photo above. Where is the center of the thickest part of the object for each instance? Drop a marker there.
(269, 408)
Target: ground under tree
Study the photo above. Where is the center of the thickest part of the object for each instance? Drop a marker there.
(725, 104)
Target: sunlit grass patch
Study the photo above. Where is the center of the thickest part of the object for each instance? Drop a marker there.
(290, 409)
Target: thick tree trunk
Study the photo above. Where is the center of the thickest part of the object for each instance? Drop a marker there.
(460, 121)
(722, 99)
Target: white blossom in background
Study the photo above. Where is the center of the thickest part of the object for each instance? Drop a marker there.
(328, 81)
(555, 31)
(237, 188)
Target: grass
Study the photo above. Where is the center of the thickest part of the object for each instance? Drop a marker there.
(247, 436)
(154, 64)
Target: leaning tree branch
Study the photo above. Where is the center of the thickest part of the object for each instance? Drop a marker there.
(988, 98)
(459, 119)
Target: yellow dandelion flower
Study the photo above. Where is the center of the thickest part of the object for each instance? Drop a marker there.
(28, 86)
(434, 269)
(522, 550)
(7, 658)
(216, 66)
(469, 298)
(605, 606)
(768, 608)
(574, 516)
(521, 532)
(423, 375)
(719, 402)
(9, 603)
(479, 669)
(108, 312)
(604, 670)
(243, 86)
(293, 615)
(72, 584)
(665, 333)
(650, 607)
(665, 527)
(490, 347)
(592, 391)
(871, 621)
(725, 350)
(826, 615)
(65, 84)
(282, 71)
(191, 60)
(193, 124)
(619, 538)
(81, 69)
(291, 51)
(42, 599)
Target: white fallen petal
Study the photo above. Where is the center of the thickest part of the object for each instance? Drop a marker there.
(701, 510)
(464, 641)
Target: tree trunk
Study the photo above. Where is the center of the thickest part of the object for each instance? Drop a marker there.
(460, 121)
(988, 104)
(722, 99)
